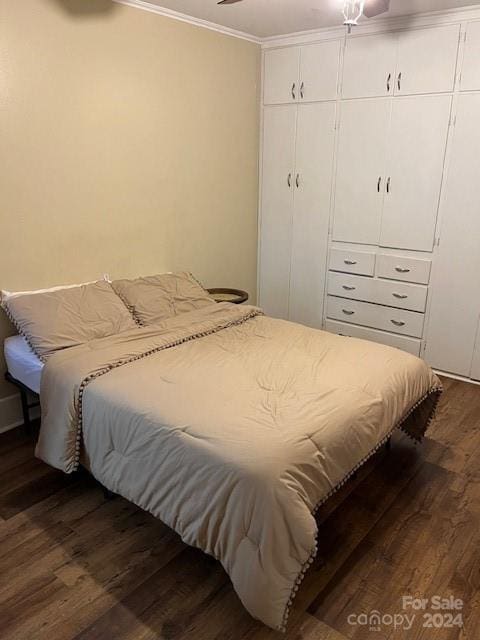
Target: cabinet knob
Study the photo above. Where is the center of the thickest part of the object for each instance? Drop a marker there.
(400, 296)
(399, 81)
(379, 184)
(350, 262)
(347, 312)
(302, 90)
(398, 323)
(297, 180)
(347, 288)
(402, 270)
(388, 82)
(294, 95)
(289, 180)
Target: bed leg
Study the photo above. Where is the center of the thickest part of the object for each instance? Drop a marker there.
(27, 425)
(108, 495)
(388, 445)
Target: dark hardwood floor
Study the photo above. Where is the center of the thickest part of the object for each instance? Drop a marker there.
(76, 566)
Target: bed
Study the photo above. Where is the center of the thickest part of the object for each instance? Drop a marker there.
(22, 363)
(233, 428)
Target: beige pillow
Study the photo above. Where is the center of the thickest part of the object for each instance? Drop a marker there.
(154, 298)
(65, 317)
(5, 295)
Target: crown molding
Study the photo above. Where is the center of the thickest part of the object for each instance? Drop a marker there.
(378, 25)
(183, 17)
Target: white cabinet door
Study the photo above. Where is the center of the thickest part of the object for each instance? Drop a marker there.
(277, 208)
(471, 61)
(455, 292)
(280, 81)
(319, 64)
(427, 60)
(359, 189)
(416, 154)
(313, 175)
(369, 66)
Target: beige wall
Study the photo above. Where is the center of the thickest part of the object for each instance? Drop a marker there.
(128, 145)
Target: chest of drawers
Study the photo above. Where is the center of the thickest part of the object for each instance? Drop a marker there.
(378, 296)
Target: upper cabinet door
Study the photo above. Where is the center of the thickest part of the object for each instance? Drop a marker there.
(279, 126)
(417, 144)
(281, 69)
(313, 181)
(360, 182)
(319, 64)
(369, 66)
(471, 61)
(427, 60)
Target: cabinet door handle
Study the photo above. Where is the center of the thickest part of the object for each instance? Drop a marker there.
(350, 262)
(294, 95)
(289, 180)
(297, 180)
(402, 270)
(400, 296)
(388, 184)
(399, 81)
(347, 312)
(302, 90)
(347, 288)
(379, 184)
(388, 82)
(398, 323)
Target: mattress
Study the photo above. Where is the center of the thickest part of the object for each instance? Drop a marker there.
(22, 363)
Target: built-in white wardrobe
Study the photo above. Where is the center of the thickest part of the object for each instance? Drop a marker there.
(298, 151)
(370, 186)
(453, 336)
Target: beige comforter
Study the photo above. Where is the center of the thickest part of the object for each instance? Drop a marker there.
(232, 428)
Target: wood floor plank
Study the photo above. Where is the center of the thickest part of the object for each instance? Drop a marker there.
(76, 567)
(165, 603)
(306, 627)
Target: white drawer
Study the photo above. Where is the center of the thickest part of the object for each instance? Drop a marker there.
(411, 345)
(392, 294)
(407, 323)
(347, 261)
(402, 268)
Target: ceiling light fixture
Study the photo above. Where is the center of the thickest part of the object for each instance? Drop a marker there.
(352, 11)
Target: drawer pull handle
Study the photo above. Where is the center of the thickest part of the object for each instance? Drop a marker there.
(398, 323)
(402, 270)
(400, 296)
(347, 312)
(347, 288)
(350, 262)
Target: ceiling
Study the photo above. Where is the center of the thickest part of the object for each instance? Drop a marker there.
(264, 18)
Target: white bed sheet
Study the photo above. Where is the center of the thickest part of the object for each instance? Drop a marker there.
(22, 363)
